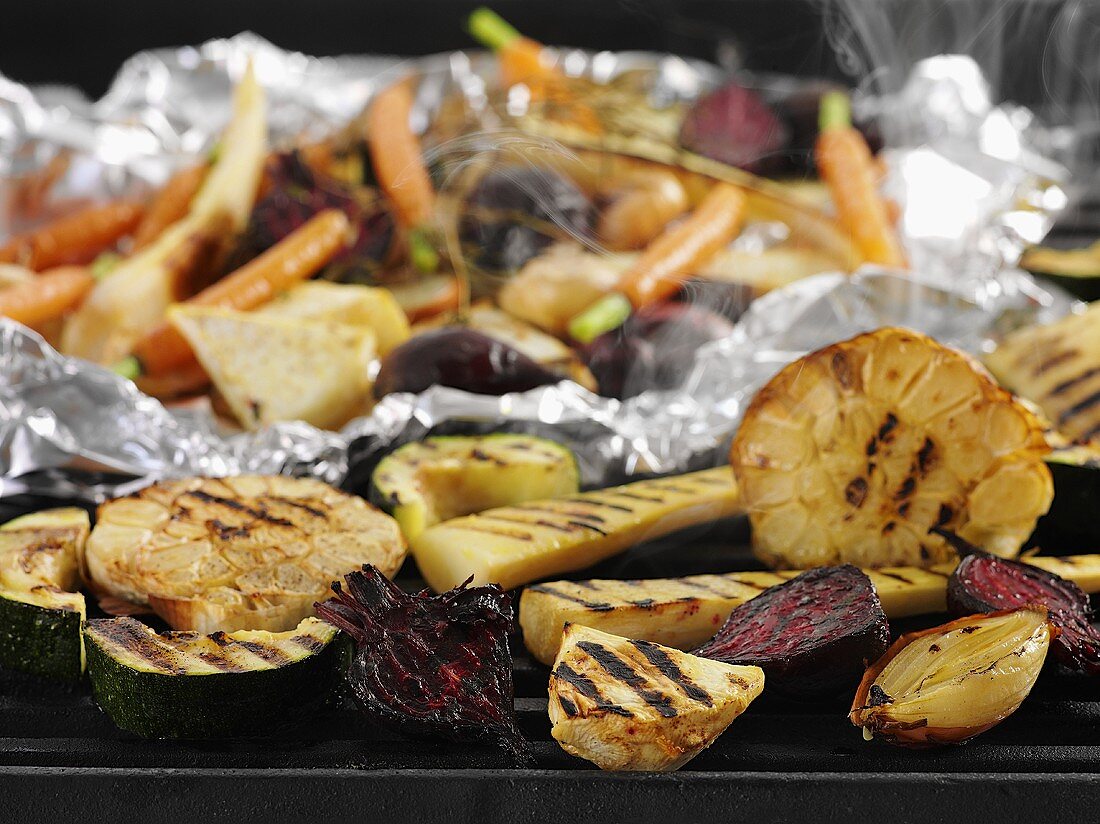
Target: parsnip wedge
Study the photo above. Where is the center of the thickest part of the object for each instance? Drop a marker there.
(685, 612)
(514, 545)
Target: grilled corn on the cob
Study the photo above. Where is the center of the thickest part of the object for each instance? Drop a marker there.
(634, 705)
(513, 545)
(685, 612)
(856, 452)
(250, 552)
(1058, 367)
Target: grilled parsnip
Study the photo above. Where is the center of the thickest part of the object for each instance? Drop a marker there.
(685, 612)
(250, 552)
(1058, 367)
(856, 452)
(635, 705)
(40, 609)
(188, 685)
(514, 545)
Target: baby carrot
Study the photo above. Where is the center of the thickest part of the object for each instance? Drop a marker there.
(848, 169)
(48, 296)
(396, 156)
(294, 258)
(75, 238)
(667, 261)
(520, 57)
(170, 204)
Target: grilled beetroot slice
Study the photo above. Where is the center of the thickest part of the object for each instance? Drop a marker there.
(812, 635)
(430, 666)
(734, 125)
(986, 583)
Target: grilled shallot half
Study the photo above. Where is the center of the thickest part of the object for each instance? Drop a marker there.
(430, 666)
(812, 635)
(947, 684)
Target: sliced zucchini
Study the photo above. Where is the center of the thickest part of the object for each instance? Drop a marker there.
(1075, 270)
(633, 705)
(1072, 515)
(40, 611)
(1056, 366)
(685, 612)
(421, 484)
(187, 685)
(514, 545)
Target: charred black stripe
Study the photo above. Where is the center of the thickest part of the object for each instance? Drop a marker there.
(680, 490)
(237, 506)
(1053, 361)
(583, 525)
(938, 572)
(312, 510)
(488, 530)
(668, 668)
(137, 642)
(309, 642)
(219, 662)
(893, 575)
(1072, 382)
(707, 479)
(275, 657)
(618, 669)
(888, 425)
(567, 705)
(644, 603)
(583, 684)
(1081, 406)
(635, 496)
(595, 502)
(489, 516)
(595, 606)
(565, 512)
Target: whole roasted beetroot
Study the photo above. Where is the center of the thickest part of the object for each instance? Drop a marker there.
(430, 666)
(813, 635)
(733, 125)
(986, 583)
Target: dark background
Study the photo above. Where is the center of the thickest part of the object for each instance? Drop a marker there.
(83, 42)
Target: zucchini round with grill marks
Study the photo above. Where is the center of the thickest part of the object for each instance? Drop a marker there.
(1075, 270)
(440, 478)
(187, 685)
(40, 611)
(857, 452)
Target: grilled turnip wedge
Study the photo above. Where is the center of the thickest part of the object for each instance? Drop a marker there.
(856, 452)
(250, 552)
(40, 609)
(133, 297)
(812, 635)
(634, 705)
(514, 545)
(947, 684)
(188, 685)
(1058, 367)
(272, 369)
(685, 612)
(440, 478)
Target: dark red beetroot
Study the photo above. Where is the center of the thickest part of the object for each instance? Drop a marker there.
(985, 583)
(462, 359)
(813, 635)
(430, 666)
(732, 124)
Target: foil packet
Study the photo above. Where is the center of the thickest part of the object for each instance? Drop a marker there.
(76, 431)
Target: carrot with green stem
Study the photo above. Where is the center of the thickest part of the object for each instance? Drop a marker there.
(399, 168)
(50, 295)
(848, 168)
(75, 238)
(667, 262)
(294, 258)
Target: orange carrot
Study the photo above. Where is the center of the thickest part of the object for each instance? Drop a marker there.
(48, 296)
(845, 163)
(294, 258)
(396, 156)
(170, 204)
(75, 238)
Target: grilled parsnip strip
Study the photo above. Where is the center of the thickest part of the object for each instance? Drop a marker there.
(248, 552)
(633, 705)
(1058, 367)
(514, 545)
(685, 612)
(857, 452)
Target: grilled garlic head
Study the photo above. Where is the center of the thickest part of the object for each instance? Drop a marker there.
(856, 451)
(950, 683)
(249, 552)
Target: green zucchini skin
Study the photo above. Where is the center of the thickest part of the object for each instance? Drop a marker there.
(40, 641)
(1072, 518)
(219, 705)
(1086, 288)
(412, 510)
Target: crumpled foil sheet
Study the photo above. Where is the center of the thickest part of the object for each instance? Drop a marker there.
(64, 422)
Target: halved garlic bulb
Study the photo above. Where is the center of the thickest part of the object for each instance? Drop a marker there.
(949, 683)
